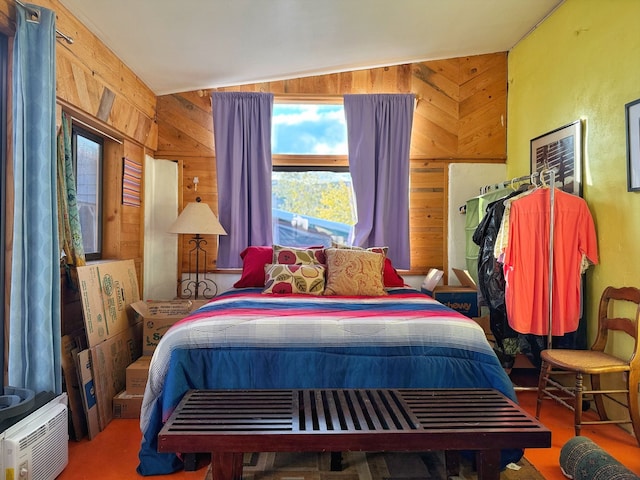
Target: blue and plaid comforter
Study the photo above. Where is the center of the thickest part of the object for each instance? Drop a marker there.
(244, 339)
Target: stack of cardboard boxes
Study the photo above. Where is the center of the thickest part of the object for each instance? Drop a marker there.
(112, 337)
(106, 361)
(156, 317)
(127, 403)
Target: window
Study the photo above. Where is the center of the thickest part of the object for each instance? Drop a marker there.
(87, 160)
(312, 196)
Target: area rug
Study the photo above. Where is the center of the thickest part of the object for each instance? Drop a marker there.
(367, 466)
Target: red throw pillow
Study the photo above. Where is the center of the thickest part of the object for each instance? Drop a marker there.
(390, 276)
(253, 261)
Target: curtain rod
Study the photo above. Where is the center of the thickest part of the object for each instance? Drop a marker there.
(36, 13)
(308, 97)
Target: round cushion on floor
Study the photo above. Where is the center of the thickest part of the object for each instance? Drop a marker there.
(582, 459)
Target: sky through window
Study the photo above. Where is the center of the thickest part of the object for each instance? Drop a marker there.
(311, 129)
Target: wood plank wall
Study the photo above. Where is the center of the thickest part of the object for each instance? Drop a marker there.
(459, 117)
(95, 86)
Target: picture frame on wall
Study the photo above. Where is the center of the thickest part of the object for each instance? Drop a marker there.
(632, 116)
(560, 150)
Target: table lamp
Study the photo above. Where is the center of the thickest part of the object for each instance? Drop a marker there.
(197, 219)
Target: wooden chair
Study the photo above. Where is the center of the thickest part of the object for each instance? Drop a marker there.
(594, 363)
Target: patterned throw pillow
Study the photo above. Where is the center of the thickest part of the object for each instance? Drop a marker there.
(281, 279)
(298, 256)
(354, 272)
(382, 250)
(390, 276)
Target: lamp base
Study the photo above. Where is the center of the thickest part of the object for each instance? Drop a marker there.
(197, 284)
(203, 287)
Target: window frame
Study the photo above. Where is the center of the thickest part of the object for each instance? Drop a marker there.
(90, 135)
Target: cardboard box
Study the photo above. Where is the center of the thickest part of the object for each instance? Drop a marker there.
(126, 405)
(88, 392)
(137, 374)
(159, 316)
(110, 360)
(107, 289)
(463, 298)
(71, 345)
(71, 303)
(465, 278)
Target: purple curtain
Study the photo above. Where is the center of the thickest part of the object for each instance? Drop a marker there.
(379, 135)
(242, 131)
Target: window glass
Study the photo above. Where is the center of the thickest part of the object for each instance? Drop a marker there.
(308, 129)
(313, 207)
(312, 203)
(87, 154)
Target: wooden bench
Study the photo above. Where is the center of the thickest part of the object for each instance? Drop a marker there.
(229, 423)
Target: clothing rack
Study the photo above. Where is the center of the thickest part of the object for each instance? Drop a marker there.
(550, 174)
(35, 16)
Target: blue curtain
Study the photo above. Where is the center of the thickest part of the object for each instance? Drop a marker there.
(34, 321)
(242, 131)
(379, 136)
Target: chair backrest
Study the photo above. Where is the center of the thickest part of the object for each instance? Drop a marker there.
(607, 320)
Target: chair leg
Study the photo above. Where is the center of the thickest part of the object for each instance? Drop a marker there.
(634, 410)
(595, 385)
(577, 408)
(542, 385)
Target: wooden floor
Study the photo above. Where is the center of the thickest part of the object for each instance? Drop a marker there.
(113, 454)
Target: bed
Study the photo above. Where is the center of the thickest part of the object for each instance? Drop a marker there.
(244, 339)
(314, 318)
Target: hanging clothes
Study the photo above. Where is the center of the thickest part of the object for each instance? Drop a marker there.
(475, 211)
(490, 273)
(503, 233)
(526, 261)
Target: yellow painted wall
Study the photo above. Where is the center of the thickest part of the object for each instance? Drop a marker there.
(583, 62)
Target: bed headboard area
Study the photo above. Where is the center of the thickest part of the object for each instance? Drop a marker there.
(317, 270)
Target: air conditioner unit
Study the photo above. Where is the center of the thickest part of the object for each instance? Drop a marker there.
(37, 447)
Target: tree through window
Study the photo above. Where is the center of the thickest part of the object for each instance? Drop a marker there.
(312, 196)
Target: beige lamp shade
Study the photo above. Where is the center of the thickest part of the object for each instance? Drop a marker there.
(197, 218)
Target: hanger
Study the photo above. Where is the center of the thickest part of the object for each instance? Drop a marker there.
(542, 180)
(532, 179)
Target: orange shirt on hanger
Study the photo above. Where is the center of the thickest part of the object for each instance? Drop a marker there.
(526, 261)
